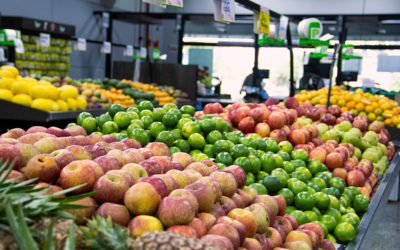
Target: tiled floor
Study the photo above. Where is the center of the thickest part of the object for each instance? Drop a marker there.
(384, 231)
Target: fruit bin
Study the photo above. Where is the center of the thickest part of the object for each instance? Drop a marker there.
(14, 111)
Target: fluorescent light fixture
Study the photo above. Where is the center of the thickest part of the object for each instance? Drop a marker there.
(390, 22)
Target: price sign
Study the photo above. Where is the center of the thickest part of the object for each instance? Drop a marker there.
(128, 51)
(261, 20)
(19, 46)
(283, 25)
(224, 11)
(106, 48)
(176, 3)
(44, 40)
(158, 3)
(80, 44)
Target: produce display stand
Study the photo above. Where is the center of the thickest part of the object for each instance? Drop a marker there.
(377, 204)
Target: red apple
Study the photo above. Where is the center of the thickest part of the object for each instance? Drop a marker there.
(207, 218)
(292, 220)
(238, 173)
(51, 189)
(152, 167)
(118, 213)
(276, 120)
(199, 226)
(158, 149)
(175, 211)
(227, 231)
(135, 170)
(247, 125)
(181, 177)
(262, 129)
(43, 167)
(218, 241)
(261, 216)
(188, 196)
(245, 217)
(204, 194)
(111, 187)
(284, 224)
(252, 244)
(134, 155)
(142, 199)
(82, 214)
(274, 237)
(183, 158)
(355, 178)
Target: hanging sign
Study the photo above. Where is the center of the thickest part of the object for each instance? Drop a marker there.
(128, 51)
(80, 44)
(175, 3)
(283, 25)
(106, 48)
(224, 11)
(261, 20)
(44, 40)
(158, 3)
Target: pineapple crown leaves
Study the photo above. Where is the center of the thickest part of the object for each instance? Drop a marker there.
(102, 234)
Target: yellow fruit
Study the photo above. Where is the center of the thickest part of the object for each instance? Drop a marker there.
(350, 105)
(344, 109)
(372, 116)
(6, 74)
(388, 121)
(341, 102)
(68, 91)
(375, 105)
(11, 69)
(369, 108)
(5, 83)
(52, 92)
(20, 87)
(22, 99)
(54, 105)
(378, 111)
(72, 104)
(360, 107)
(62, 105)
(42, 103)
(396, 120)
(38, 91)
(81, 102)
(6, 94)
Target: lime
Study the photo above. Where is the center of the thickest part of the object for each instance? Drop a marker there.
(344, 232)
(300, 217)
(89, 124)
(72, 124)
(183, 145)
(82, 117)
(221, 146)
(304, 201)
(331, 238)
(334, 202)
(351, 218)
(360, 203)
(239, 150)
(285, 146)
(196, 141)
(195, 152)
(300, 154)
(170, 120)
(222, 166)
(200, 157)
(147, 121)
(296, 186)
(208, 150)
(190, 128)
(298, 163)
(326, 231)
(145, 105)
(158, 114)
(139, 135)
(115, 108)
(261, 175)
(207, 125)
(214, 136)
(176, 133)
(233, 137)
(329, 221)
(103, 119)
(260, 188)
(244, 163)
(187, 109)
(97, 133)
(169, 106)
(284, 155)
(176, 112)
(173, 150)
(155, 128)
(319, 182)
(121, 136)
(188, 117)
(283, 177)
(344, 200)
(268, 162)
(314, 166)
(182, 121)
(278, 161)
(335, 213)
(137, 123)
(272, 183)
(288, 166)
(338, 183)
(305, 171)
(224, 157)
(220, 124)
(255, 164)
(132, 115)
(311, 215)
(110, 127)
(248, 142)
(272, 145)
(121, 118)
(146, 112)
(287, 194)
(133, 109)
(165, 137)
(299, 175)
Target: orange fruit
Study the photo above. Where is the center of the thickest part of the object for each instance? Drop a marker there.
(359, 106)
(351, 104)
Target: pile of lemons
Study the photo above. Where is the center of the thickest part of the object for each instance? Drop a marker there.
(38, 94)
(376, 107)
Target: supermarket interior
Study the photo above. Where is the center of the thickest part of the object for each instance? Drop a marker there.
(187, 124)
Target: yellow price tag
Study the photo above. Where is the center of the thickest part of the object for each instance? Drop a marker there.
(264, 21)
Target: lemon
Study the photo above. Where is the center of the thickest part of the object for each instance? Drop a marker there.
(6, 74)
(20, 87)
(6, 94)
(81, 102)
(62, 105)
(5, 83)
(52, 92)
(42, 103)
(38, 91)
(44, 83)
(72, 104)
(12, 69)
(54, 105)
(22, 99)
(68, 91)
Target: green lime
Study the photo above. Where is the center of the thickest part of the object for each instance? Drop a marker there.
(72, 124)
(173, 150)
(298, 163)
(283, 177)
(207, 126)
(344, 232)
(176, 133)
(284, 155)
(299, 175)
(313, 186)
(344, 200)
(349, 194)
(121, 118)
(278, 161)
(332, 191)
(326, 231)
(322, 200)
(82, 117)
(206, 116)
(139, 135)
(208, 150)
(165, 137)
(272, 183)
(261, 189)
(190, 128)
(360, 203)
(300, 217)
(300, 154)
(200, 157)
(272, 145)
(187, 109)
(133, 109)
(169, 106)
(261, 175)
(115, 108)
(89, 124)
(239, 150)
(248, 142)
(268, 163)
(285, 146)
(319, 182)
(261, 144)
(224, 157)
(195, 152)
(331, 238)
(170, 120)
(188, 117)
(221, 146)
(220, 124)
(233, 137)
(243, 162)
(352, 218)
(145, 105)
(305, 171)
(304, 201)
(290, 209)
(214, 136)
(287, 194)
(255, 164)
(335, 213)
(121, 136)
(196, 141)
(182, 121)
(137, 123)
(176, 112)
(155, 128)
(132, 115)
(296, 186)
(354, 190)
(288, 166)
(146, 112)
(249, 179)
(97, 133)
(329, 221)
(110, 127)
(183, 145)
(158, 114)
(311, 215)
(222, 166)
(334, 202)
(338, 183)
(103, 119)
